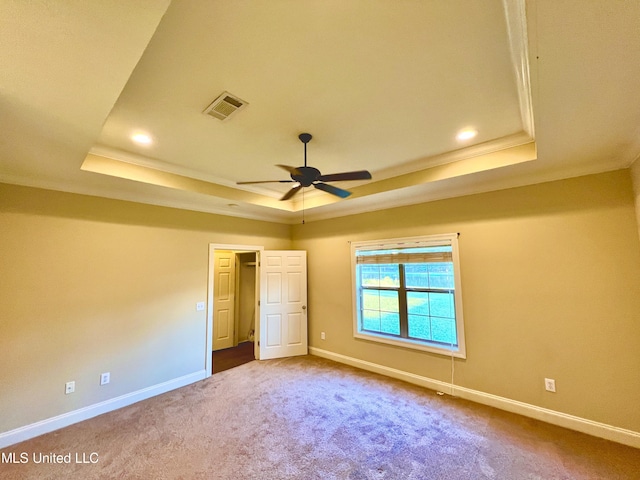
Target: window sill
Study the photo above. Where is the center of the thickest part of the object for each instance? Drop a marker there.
(457, 352)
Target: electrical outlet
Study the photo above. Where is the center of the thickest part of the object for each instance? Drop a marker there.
(105, 378)
(200, 306)
(550, 384)
(69, 387)
(322, 336)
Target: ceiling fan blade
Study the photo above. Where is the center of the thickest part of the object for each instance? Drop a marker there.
(291, 170)
(266, 181)
(334, 177)
(332, 190)
(291, 192)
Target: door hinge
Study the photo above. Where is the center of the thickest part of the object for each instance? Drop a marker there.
(258, 302)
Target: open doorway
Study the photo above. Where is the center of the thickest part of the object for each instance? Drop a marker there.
(233, 306)
(280, 324)
(234, 311)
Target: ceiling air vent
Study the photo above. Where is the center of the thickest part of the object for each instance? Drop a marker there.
(224, 106)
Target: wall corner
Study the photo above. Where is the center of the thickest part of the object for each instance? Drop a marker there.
(635, 179)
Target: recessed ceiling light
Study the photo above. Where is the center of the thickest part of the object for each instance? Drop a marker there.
(466, 134)
(141, 138)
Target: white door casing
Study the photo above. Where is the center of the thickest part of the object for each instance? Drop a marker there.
(283, 304)
(224, 299)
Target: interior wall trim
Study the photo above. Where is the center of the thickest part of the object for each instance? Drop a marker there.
(584, 425)
(21, 434)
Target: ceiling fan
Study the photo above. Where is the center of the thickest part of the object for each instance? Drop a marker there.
(307, 176)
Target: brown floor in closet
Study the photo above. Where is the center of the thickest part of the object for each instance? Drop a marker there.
(232, 357)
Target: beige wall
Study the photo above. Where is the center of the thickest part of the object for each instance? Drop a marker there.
(550, 277)
(551, 288)
(90, 285)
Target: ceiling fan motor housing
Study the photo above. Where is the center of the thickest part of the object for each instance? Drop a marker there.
(307, 175)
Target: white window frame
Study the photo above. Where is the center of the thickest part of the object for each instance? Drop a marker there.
(458, 351)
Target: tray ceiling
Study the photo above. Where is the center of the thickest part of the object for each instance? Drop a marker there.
(550, 88)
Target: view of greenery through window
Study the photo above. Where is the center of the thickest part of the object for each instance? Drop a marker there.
(429, 289)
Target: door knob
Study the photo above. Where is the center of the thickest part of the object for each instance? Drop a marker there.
(304, 307)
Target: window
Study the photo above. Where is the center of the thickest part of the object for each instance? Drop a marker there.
(407, 292)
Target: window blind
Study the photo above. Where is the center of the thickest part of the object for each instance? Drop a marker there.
(391, 258)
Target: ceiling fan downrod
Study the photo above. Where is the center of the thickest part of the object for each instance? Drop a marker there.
(305, 138)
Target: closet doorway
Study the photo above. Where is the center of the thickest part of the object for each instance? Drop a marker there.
(280, 286)
(234, 313)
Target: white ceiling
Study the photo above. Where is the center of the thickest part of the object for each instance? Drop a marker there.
(383, 86)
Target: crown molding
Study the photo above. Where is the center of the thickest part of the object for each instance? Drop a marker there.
(516, 18)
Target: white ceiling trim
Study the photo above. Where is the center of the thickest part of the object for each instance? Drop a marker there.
(129, 171)
(486, 148)
(314, 198)
(142, 161)
(469, 164)
(516, 17)
(420, 165)
(503, 158)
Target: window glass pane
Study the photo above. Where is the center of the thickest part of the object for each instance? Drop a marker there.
(419, 327)
(389, 301)
(418, 303)
(416, 275)
(379, 275)
(370, 299)
(390, 323)
(389, 275)
(380, 311)
(441, 275)
(369, 275)
(443, 330)
(441, 305)
(429, 275)
(371, 320)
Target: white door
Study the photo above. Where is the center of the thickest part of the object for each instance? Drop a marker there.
(283, 304)
(224, 285)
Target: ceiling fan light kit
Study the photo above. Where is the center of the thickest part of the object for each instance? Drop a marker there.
(306, 176)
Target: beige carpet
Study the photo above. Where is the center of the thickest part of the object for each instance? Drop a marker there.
(309, 418)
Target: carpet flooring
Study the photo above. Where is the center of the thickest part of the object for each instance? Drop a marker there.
(310, 418)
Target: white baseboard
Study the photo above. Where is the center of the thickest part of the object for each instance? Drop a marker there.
(50, 424)
(597, 429)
